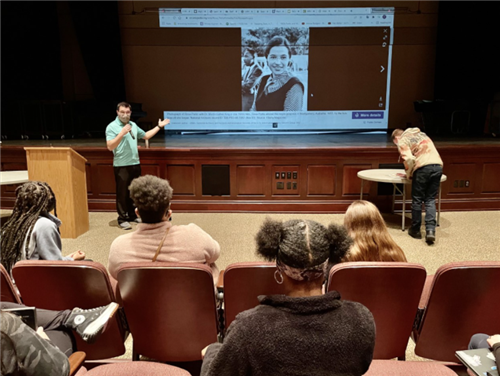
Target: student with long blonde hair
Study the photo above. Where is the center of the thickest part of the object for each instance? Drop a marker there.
(372, 241)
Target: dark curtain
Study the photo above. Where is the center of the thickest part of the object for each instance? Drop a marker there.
(468, 41)
(31, 51)
(98, 32)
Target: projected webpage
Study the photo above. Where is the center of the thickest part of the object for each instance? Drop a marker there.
(318, 69)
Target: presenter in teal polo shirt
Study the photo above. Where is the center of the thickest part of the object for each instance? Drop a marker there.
(121, 138)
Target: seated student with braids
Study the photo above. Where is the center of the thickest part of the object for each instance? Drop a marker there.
(46, 351)
(372, 241)
(303, 332)
(32, 233)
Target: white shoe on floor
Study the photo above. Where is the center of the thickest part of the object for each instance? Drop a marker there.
(125, 226)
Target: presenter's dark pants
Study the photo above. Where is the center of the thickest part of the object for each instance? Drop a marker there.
(124, 205)
(52, 323)
(425, 187)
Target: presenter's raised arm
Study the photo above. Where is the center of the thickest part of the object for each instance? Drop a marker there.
(112, 144)
(152, 132)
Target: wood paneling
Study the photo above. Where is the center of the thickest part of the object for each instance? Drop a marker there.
(321, 180)
(105, 179)
(181, 179)
(251, 180)
(351, 184)
(491, 178)
(326, 176)
(461, 177)
(150, 169)
(88, 176)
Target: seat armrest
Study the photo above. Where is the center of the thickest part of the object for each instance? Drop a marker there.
(424, 298)
(75, 361)
(220, 282)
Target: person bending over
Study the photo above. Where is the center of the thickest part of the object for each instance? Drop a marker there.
(424, 167)
(156, 239)
(303, 332)
(46, 351)
(31, 232)
(372, 241)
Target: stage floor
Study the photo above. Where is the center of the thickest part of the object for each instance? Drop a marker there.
(271, 141)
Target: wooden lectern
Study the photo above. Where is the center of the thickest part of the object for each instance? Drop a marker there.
(64, 170)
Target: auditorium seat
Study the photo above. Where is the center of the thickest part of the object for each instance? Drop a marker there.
(136, 369)
(463, 299)
(243, 283)
(395, 368)
(391, 291)
(60, 285)
(171, 309)
(7, 290)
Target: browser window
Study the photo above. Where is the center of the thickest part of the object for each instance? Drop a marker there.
(303, 69)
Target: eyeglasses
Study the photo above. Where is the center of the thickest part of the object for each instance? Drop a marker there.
(124, 113)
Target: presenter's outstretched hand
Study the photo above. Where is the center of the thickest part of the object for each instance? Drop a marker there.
(162, 123)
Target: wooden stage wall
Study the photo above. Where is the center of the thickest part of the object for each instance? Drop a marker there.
(326, 179)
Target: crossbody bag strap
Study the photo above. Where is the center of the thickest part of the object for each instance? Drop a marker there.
(161, 245)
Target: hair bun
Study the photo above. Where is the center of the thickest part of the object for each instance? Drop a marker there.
(340, 242)
(268, 239)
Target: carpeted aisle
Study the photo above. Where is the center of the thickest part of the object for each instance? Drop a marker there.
(462, 235)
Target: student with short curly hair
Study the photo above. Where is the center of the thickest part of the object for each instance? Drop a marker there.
(304, 331)
(151, 196)
(372, 241)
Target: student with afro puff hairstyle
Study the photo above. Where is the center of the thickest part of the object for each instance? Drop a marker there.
(303, 332)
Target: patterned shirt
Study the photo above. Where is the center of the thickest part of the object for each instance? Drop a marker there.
(417, 150)
(23, 349)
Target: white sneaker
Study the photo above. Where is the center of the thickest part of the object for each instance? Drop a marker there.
(125, 226)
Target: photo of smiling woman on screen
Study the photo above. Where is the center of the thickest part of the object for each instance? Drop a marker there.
(280, 88)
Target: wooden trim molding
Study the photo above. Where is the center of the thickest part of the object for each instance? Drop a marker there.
(314, 180)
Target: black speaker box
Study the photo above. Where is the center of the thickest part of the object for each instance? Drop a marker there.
(215, 180)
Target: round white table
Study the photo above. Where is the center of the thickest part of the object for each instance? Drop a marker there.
(391, 176)
(13, 177)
